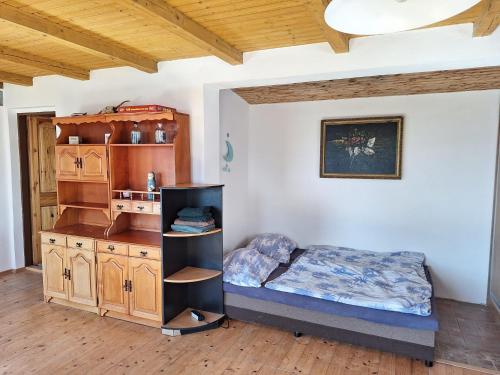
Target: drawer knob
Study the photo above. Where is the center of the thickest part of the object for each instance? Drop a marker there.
(143, 253)
(79, 244)
(140, 208)
(119, 206)
(111, 247)
(52, 240)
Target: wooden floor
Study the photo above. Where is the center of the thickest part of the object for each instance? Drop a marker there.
(41, 338)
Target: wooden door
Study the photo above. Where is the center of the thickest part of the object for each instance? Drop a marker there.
(94, 163)
(145, 294)
(82, 276)
(112, 274)
(54, 267)
(42, 172)
(67, 162)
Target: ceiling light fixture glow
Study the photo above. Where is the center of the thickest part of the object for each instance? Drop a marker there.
(370, 17)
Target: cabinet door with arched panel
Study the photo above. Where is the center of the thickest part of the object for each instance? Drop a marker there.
(54, 271)
(67, 163)
(112, 282)
(145, 288)
(81, 276)
(93, 163)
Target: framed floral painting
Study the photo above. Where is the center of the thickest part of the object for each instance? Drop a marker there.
(361, 147)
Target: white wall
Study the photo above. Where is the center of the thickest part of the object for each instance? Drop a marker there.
(495, 245)
(234, 119)
(6, 255)
(442, 206)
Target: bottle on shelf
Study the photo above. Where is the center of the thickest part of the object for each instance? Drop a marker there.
(171, 132)
(151, 185)
(135, 134)
(160, 134)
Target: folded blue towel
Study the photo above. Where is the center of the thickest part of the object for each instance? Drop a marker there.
(196, 218)
(194, 211)
(190, 229)
(195, 223)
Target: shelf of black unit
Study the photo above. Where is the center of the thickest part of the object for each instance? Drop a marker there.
(192, 275)
(184, 321)
(183, 234)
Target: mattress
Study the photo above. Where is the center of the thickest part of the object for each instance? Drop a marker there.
(391, 318)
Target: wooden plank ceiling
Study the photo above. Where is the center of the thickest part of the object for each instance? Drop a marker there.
(73, 37)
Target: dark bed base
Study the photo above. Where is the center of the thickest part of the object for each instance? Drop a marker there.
(408, 349)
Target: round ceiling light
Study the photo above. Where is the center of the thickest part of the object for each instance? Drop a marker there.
(370, 17)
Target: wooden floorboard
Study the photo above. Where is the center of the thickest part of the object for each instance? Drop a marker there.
(41, 338)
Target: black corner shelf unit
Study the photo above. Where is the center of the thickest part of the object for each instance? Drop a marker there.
(191, 263)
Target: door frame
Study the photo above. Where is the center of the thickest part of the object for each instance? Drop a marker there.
(24, 170)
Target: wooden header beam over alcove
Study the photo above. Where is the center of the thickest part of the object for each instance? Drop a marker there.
(487, 78)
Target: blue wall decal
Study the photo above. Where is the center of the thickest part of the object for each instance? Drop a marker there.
(228, 156)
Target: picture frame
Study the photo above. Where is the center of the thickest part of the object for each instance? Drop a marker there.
(365, 147)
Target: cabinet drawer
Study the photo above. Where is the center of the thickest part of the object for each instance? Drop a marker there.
(157, 208)
(143, 207)
(145, 252)
(112, 248)
(81, 243)
(54, 239)
(121, 205)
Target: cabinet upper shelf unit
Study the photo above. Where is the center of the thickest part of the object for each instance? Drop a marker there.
(82, 163)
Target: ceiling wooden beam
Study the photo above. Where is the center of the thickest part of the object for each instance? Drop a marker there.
(488, 19)
(337, 40)
(183, 26)
(383, 85)
(84, 40)
(16, 79)
(24, 58)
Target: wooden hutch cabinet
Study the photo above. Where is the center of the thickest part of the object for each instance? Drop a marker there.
(104, 252)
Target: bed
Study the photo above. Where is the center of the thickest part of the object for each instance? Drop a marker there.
(401, 333)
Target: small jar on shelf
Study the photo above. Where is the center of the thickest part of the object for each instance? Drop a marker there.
(160, 134)
(171, 132)
(135, 134)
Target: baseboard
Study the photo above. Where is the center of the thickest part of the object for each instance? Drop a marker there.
(468, 367)
(7, 272)
(35, 269)
(494, 302)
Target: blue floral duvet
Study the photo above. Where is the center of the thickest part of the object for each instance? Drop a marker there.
(392, 281)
